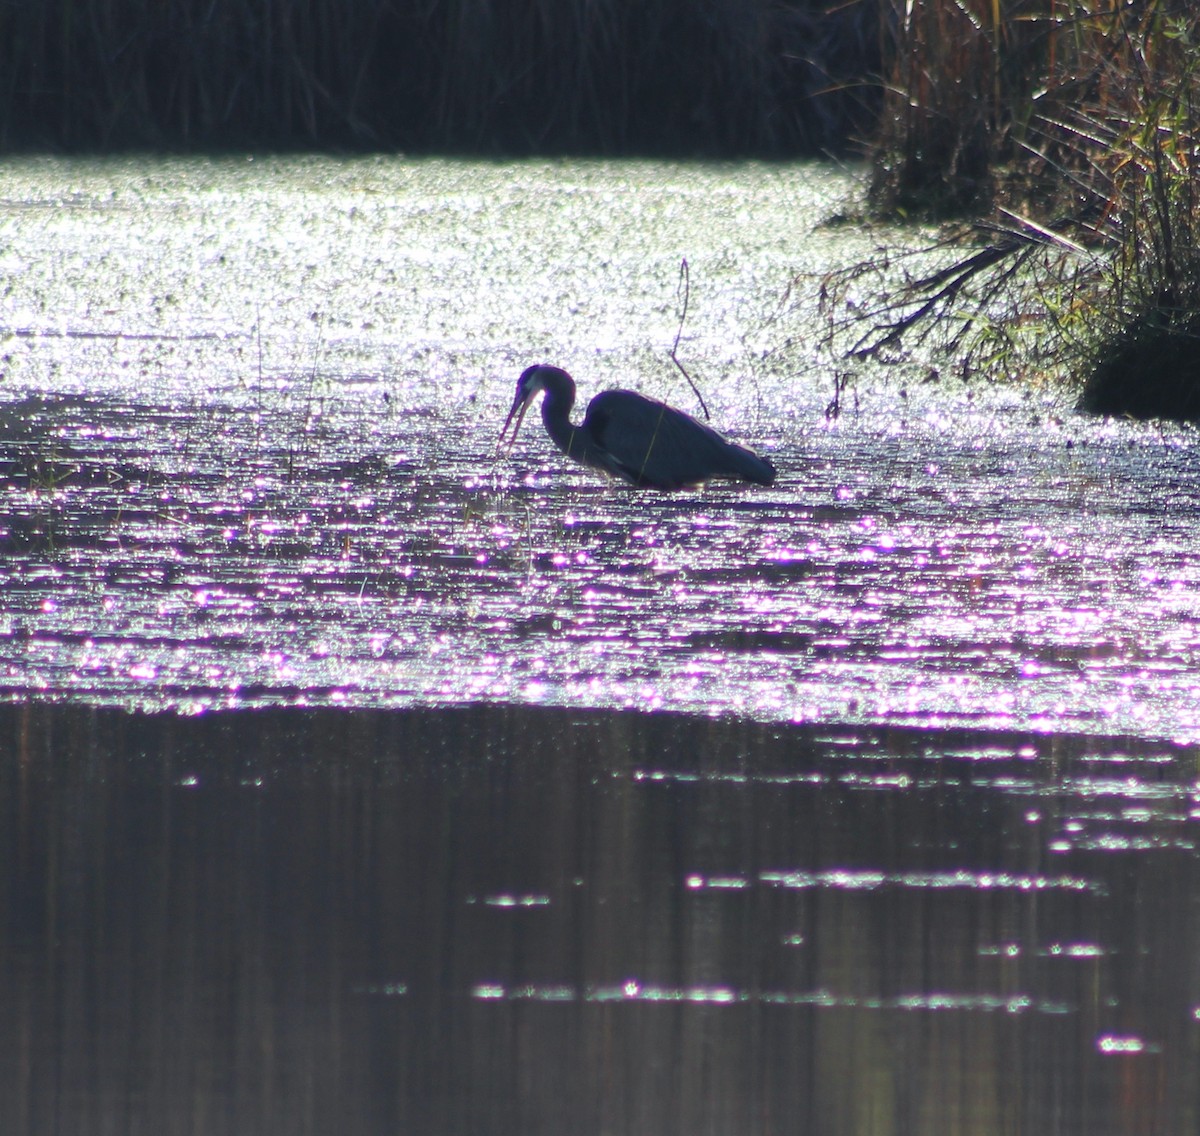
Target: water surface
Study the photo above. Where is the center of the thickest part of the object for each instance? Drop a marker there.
(355, 777)
(524, 920)
(249, 423)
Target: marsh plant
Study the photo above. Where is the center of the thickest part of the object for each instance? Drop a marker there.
(1073, 128)
(1144, 322)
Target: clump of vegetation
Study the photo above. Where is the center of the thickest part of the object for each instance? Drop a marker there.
(1144, 354)
(940, 127)
(1076, 126)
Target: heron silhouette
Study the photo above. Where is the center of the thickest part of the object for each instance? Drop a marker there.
(638, 439)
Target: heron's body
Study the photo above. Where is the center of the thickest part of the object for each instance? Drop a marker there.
(633, 437)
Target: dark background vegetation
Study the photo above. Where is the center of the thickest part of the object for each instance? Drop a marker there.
(674, 77)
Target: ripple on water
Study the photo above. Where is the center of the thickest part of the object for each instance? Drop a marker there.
(266, 463)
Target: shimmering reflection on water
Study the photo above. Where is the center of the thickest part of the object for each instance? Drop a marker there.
(248, 434)
(521, 921)
(1042, 586)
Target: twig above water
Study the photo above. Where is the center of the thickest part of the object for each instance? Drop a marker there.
(685, 284)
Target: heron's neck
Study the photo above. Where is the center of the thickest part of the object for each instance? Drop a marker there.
(555, 412)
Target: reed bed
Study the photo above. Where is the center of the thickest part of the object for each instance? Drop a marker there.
(598, 76)
(1071, 127)
(1020, 101)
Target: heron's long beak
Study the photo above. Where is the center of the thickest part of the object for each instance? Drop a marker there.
(519, 406)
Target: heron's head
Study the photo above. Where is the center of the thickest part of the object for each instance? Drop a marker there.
(533, 379)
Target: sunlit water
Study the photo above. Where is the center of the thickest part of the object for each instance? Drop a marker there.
(250, 417)
(908, 842)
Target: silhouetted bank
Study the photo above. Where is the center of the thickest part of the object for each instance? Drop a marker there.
(1149, 371)
(704, 77)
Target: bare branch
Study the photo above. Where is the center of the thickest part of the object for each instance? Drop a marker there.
(685, 284)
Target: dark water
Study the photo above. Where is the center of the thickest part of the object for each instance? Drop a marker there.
(512, 920)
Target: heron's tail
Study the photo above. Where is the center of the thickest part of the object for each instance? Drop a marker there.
(747, 465)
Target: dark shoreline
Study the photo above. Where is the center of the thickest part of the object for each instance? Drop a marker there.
(668, 78)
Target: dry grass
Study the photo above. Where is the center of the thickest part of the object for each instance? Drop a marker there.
(1073, 123)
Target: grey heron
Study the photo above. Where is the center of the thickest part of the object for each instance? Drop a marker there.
(638, 439)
